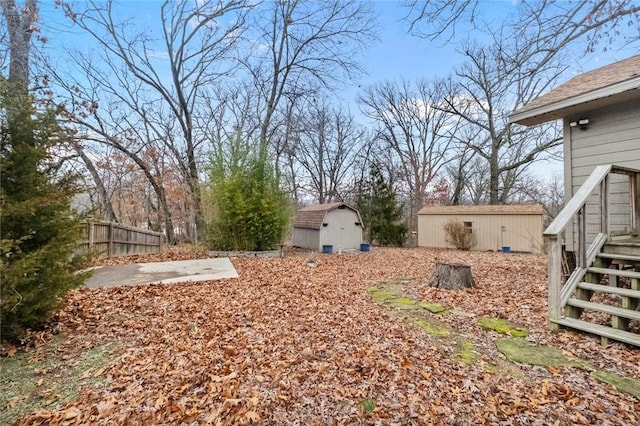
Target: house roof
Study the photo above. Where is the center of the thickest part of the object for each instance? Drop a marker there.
(601, 87)
(312, 217)
(502, 209)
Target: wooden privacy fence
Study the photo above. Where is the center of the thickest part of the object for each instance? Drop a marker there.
(108, 239)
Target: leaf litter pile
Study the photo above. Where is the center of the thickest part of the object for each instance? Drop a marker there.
(288, 344)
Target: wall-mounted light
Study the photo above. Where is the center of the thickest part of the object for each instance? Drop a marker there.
(582, 124)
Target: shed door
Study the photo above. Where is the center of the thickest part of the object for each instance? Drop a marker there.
(341, 230)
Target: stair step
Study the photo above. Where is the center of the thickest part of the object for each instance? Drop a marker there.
(616, 272)
(628, 247)
(610, 289)
(600, 330)
(613, 310)
(614, 256)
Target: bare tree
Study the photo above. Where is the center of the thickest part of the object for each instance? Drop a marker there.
(103, 196)
(412, 126)
(548, 192)
(304, 45)
(492, 82)
(159, 83)
(523, 60)
(564, 22)
(326, 149)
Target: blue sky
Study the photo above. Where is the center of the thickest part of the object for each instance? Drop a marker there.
(396, 55)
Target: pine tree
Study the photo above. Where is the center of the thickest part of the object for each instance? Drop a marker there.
(380, 211)
(38, 234)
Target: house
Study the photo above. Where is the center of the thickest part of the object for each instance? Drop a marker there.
(499, 227)
(333, 224)
(598, 226)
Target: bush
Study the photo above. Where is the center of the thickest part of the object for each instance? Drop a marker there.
(459, 235)
(250, 211)
(38, 235)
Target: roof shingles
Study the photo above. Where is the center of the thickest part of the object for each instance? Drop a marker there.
(584, 83)
(312, 217)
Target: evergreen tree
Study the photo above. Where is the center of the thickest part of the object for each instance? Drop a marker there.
(38, 234)
(381, 213)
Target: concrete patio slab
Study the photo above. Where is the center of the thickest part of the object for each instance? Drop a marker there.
(162, 272)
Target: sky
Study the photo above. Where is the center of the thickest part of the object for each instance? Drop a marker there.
(397, 54)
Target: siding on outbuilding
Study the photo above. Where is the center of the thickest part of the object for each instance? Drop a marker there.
(335, 224)
(518, 227)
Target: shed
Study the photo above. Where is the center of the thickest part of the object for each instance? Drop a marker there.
(518, 227)
(335, 224)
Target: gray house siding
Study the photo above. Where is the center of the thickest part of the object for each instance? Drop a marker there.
(612, 137)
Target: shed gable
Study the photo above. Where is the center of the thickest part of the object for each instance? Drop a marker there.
(312, 217)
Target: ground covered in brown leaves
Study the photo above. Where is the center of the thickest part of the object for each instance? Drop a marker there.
(288, 344)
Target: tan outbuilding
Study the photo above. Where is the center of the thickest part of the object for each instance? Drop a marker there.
(508, 228)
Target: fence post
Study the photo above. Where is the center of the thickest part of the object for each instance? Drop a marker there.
(91, 236)
(110, 246)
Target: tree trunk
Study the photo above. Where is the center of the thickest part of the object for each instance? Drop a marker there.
(102, 191)
(452, 276)
(20, 28)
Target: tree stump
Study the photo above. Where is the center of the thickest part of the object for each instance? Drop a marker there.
(452, 276)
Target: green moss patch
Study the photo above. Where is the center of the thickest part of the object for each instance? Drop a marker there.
(467, 353)
(380, 295)
(503, 326)
(623, 384)
(390, 294)
(403, 303)
(29, 383)
(518, 350)
(434, 308)
(432, 328)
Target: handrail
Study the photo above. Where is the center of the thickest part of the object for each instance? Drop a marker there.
(576, 209)
(580, 198)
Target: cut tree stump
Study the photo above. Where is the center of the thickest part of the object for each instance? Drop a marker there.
(452, 276)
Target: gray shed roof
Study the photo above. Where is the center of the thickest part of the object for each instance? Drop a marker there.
(312, 217)
(502, 209)
(603, 86)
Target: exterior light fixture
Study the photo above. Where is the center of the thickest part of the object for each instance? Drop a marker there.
(582, 124)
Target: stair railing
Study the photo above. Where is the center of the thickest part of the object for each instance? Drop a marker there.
(585, 245)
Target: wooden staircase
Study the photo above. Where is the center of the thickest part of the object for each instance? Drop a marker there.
(599, 225)
(610, 288)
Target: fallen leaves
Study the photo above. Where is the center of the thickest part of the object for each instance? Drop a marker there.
(288, 344)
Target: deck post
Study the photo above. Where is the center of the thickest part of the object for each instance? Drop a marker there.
(604, 205)
(555, 280)
(634, 192)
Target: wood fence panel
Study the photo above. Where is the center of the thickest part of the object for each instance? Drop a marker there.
(107, 239)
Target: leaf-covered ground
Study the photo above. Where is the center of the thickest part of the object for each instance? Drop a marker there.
(288, 344)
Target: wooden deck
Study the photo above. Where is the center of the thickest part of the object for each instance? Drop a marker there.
(602, 294)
